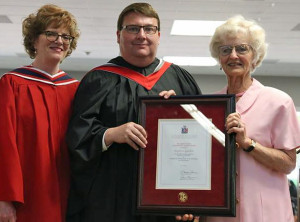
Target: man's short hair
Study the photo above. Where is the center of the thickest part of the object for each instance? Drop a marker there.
(142, 8)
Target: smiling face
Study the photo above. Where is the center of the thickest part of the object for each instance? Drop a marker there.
(138, 49)
(236, 64)
(51, 52)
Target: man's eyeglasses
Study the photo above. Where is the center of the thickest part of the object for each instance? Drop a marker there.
(53, 36)
(135, 29)
(241, 49)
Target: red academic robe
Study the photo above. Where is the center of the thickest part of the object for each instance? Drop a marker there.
(34, 164)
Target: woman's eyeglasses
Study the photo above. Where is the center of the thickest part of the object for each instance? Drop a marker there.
(53, 36)
(241, 49)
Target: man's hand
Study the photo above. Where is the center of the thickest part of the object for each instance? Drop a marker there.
(131, 133)
(188, 217)
(7, 212)
(167, 94)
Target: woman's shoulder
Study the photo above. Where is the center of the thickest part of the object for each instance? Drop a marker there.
(276, 98)
(269, 92)
(275, 93)
(12, 77)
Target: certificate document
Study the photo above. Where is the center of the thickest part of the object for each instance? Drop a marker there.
(189, 163)
(183, 155)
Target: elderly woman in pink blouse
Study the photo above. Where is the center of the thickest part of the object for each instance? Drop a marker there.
(266, 127)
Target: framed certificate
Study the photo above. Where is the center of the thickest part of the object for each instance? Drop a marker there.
(188, 165)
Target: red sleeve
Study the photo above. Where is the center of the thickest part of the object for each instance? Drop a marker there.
(11, 181)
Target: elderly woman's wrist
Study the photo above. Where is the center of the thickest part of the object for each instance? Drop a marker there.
(250, 147)
(246, 144)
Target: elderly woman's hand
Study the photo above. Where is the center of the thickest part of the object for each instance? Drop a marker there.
(234, 124)
(188, 217)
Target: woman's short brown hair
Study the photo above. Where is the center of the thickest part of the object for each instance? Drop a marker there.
(35, 24)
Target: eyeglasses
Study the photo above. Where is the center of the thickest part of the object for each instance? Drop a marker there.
(241, 49)
(53, 36)
(135, 29)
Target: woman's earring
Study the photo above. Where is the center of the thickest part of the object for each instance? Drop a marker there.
(220, 67)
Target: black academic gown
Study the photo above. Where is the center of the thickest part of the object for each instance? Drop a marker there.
(103, 183)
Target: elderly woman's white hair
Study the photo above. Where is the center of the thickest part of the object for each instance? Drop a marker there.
(238, 24)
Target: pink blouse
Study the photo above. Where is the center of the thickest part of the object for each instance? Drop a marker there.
(271, 120)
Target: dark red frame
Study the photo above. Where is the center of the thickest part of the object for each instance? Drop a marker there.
(220, 200)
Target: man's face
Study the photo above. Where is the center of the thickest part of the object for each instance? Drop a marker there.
(134, 47)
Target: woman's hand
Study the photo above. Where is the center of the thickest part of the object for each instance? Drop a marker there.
(234, 124)
(7, 212)
(280, 160)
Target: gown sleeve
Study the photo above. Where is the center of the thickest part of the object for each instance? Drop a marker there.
(11, 181)
(85, 130)
(84, 135)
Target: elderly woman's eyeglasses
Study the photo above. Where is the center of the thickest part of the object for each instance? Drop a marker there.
(241, 49)
(135, 29)
(53, 36)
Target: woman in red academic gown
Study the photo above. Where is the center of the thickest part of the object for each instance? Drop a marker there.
(35, 106)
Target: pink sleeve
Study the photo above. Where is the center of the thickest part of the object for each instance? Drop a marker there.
(285, 128)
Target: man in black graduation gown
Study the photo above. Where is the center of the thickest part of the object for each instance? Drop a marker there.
(103, 134)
